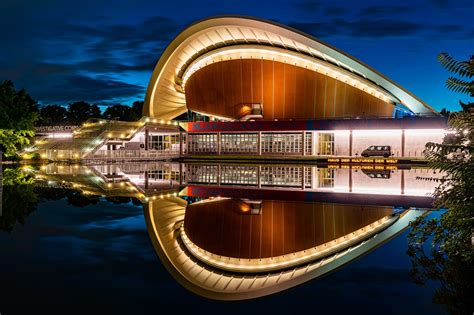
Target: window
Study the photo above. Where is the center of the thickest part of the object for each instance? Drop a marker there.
(326, 144)
(281, 176)
(201, 174)
(308, 143)
(163, 142)
(202, 143)
(325, 178)
(289, 143)
(239, 143)
(239, 175)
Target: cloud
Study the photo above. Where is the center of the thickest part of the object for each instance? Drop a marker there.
(85, 61)
(73, 87)
(379, 28)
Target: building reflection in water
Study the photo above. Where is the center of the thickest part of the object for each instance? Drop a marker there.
(234, 232)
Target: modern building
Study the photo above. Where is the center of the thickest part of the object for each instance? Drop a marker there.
(264, 89)
(107, 140)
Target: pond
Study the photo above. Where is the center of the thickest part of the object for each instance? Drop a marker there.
(191, 237)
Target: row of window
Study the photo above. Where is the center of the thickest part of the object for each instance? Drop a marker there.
(162, 142)
(289, 143)
(248, 175)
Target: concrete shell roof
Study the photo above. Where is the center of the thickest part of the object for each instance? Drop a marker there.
(164, 218)
(165, 97)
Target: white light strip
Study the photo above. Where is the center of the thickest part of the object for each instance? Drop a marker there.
(289, 57)
(377, 132)
(289, 260)
(426, 132)
(60, 135)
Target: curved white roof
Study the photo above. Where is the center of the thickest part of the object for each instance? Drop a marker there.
(164, 218)
(222, 38)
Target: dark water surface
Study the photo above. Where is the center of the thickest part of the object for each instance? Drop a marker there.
(93, 253)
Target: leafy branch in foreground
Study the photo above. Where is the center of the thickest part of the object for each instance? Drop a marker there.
(441, 247)
(464, 69)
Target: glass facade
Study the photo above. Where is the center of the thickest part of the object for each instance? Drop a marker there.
(308, 138)
(160, 175)
(162, 142)
(239, 143)
(289, 143)
(282, 176)
(239, 175)
(202, 143)
(326, 144)
(325, 178)
(201, 174)
(275, 176)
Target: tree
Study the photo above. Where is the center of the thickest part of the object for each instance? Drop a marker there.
(18, 114)
(119, 112)
(19, 197)
(465, 71)
(12, 140)
(18, 111)
(52, 115)
(441, 248)
(137, 110)
(79, 112)
(450, 259)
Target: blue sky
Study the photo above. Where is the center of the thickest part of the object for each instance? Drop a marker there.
(104, 51)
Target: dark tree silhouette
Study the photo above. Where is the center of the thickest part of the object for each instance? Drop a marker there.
(463, 83)
(137, 110)
(18, 111)
(52, 115)
(119, 112)
(79, 112)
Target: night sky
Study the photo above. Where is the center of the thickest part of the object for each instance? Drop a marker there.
(104, 52)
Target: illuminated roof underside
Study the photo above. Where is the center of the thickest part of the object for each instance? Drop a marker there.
(225, 38)
(164, 219)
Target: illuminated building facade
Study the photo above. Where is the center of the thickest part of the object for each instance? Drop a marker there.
(260, 89)
(273, 91)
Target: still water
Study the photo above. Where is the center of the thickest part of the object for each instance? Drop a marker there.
(148, 238)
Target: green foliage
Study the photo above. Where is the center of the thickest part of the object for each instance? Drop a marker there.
(11, 140)
(19, 197)
(461, 68)
(450, 257)
(35, 156)
(18, 111)
(441, 248)
(16, 176)
(18, 114)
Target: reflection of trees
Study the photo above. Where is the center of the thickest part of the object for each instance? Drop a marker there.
(441, 248)
(19, 198)
(121, 200)
(77, 199)
(452, 274)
